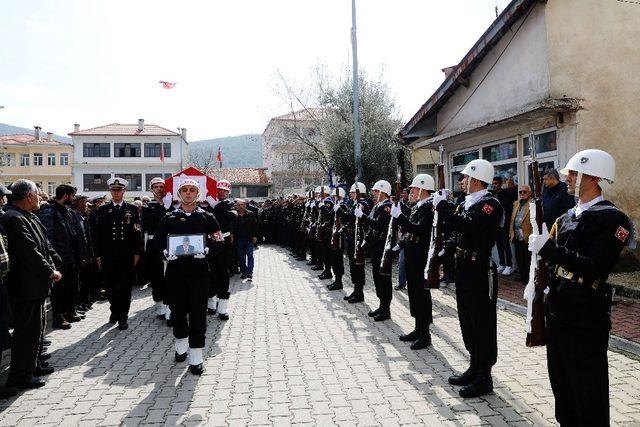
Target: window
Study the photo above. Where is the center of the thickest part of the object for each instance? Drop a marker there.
(507, 170)
(51, 159)
(153, 149)
(257, 191)
(463, 159)
(425, 169)
(309, 132)
(149, 176)
(135, 181)
(126, 150)
(502, 151)
(95, 182)
(545, 142)
(7, 159)
(64, 159)
(289, 132)
(51, 187)
(96, 150)
(37, 159)
(235, 192)
(24, 160)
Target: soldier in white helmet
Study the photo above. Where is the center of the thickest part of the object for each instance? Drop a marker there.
(583, 248)
(475, 225)
(378, 223)
(416, 228)
(188, 277)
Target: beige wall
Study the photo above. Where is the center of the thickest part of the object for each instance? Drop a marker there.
(594, 54)
(41, 174)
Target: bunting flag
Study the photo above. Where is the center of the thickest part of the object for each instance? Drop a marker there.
(330, 178)
(162, 152)
(166, 85)
(219, 157)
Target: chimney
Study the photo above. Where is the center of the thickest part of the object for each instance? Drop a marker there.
(36, 132)
(49, 136)
(140, 125)
(183, 132)
(76, 127)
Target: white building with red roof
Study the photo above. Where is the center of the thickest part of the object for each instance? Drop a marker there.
(130, 151)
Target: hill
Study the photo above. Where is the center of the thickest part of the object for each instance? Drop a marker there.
(243, 151)
(12, 130)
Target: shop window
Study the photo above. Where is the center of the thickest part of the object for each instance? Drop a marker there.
(463, 159)
(545, 142)
(502, 151)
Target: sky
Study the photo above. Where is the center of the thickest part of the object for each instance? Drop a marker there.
(95, 62)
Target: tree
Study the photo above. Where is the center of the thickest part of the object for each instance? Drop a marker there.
(335, 149)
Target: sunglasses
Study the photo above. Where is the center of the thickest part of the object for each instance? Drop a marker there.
(524, 191)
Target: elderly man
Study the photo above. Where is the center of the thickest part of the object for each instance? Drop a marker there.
(245, 230)
(519, 231)
(33, 270)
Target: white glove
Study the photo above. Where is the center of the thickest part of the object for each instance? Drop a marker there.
(358, 212)
(536, 242)
(439, 197)
(167, 200)
(336, 207)
(169, 257)
(200, 256)
(396, 211)
(441, 253)
(212, 202)
(234, 212)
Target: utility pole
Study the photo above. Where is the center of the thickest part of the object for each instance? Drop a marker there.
(357, 150)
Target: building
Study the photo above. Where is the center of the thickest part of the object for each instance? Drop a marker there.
(286, 151)
(249, 183)
(562, 69)
(45, 161)
(131, 151)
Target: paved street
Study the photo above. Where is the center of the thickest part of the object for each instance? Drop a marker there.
(294, 353)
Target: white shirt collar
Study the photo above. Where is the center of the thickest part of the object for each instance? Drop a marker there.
(582, 207)
(473, 198)
(118, 204)
(423, 201)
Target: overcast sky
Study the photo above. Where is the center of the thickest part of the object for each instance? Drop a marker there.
(99, 61)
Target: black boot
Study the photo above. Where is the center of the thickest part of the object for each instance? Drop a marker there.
(467, 376)
(374, 313)
(411, 336)
(325, 275)
(482, 384)
(180, 357)
(336, 285)
(424, 338)
(348, 297)
(355, 298)
(383, 314)
(196, 369)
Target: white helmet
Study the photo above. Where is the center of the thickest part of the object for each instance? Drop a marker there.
(339, 191)
(382, 186)
(224, 184)
(188, 182)
(479, 169)
(317, 190)
(361, 187)
(424, 181)
(326, 189)
(592, 162)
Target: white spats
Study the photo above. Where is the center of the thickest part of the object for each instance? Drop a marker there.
(160, 308)
(195, 356)
(167, 312)
(182, 345)
(222, 306)
(211, 303)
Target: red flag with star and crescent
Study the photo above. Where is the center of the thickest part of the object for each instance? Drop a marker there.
(167, 85)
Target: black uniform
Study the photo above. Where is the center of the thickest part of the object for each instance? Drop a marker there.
(224, 250)
(416, 231)
(118, 239)
(152, 214)
(348, 220)
(473, 237)
(378, 223)
(188, 278)
(578, 310)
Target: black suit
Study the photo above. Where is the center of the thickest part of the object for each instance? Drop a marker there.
(33, 261)
(181, 251)
(378, 222)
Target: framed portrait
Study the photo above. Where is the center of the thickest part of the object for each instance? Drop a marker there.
(185, 244)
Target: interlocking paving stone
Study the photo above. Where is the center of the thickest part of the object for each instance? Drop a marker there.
(294, 353)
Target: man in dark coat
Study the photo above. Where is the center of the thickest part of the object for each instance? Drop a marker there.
(556, 200)
(33, 270)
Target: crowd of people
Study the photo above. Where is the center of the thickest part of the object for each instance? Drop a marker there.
(579, 244)
(75, 252)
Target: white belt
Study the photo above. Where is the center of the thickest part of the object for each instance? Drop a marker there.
(149, 236)
(225, 235)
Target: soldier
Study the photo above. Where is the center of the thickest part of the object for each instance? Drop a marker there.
(336, 245)
(378, 223)
(118, 248)
(188, 276)
(152, 213)
(474, 224)
(416, 230)
(584, 247)
(222, 209)
(323, 236)
(348, 219)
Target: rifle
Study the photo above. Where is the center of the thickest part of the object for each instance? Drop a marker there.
(359, 254)
(337, 226)
(387, 255)
(305, 217)
(538, 274)
(432, 269)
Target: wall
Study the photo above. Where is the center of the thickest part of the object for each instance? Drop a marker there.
(520, 77)
(594, 55)
(41, 174)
